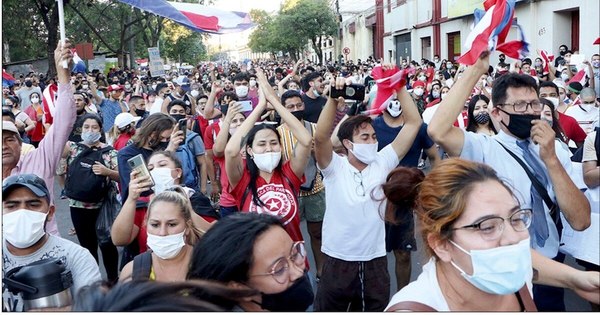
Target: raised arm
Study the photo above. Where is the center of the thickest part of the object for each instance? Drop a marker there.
(301, 151)
(209, 108)
(441, 128)
(412, 123)
(221, 140)
(323, 145)
(233, 160)
(123, 231)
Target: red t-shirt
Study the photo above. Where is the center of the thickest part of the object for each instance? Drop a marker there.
(227, 199)
(279, 199)
(121, 141)
(140, 216)
(571, 128)
(37, 133)
(210, 135)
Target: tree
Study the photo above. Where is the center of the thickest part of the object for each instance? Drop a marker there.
(182, 44)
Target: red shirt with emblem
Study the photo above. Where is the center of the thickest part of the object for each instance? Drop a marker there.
(279, 198)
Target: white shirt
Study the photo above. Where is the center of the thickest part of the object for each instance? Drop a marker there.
(587, 117)
(353, 226)
(156, 106)
(77, 259)
(485, 149)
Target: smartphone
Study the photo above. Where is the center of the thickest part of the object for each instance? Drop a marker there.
(246, 106)
(352, 92)
(137, 163)
(182, 125)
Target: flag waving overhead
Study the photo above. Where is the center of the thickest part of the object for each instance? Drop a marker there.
(388, 82)
(198, 17)
(490, 32)
(7, 79)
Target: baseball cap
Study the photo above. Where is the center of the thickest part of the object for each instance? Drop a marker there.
(11, 127)
(124, 119)
(31, 181)
(575, 87)
(418, 83)
(161, 86)
(114, 87)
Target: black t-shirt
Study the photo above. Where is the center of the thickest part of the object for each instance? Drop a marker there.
(313, 107)
(387, 134)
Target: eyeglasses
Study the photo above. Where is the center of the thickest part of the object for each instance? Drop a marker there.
(521, 107)
(280, 270)
(491, 228)
(360, 189)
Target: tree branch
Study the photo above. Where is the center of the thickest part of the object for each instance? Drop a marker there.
(85, 20)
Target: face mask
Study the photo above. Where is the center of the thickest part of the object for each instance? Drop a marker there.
(162, 179)
(444, 95)
(85, 86)
(564, 77)
(90, 137)
(365, 152)
(299, 114)
(501, 270)
(23, 228)
(232, 130)
(554, 101)
(35, 100)
(168, 246)
(296, 298)
(160, 146)
(316, 93)
(538, 64)
(448, 65)
(394, 108)
(140, 112)
(268, 161)
(418, 92)
(195, 93)
(28, 83)
(127, 86)
(520, 125)
(482, 118)
(241, 91)
(422, 78)
(178, 117)
(154, 87)
(562, 53)
(435, 94)
(596, 63)
(252, 83)
(587, 107)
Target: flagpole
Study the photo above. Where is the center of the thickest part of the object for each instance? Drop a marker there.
(61, 27)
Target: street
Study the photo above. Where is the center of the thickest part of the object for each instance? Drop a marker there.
(572, 301)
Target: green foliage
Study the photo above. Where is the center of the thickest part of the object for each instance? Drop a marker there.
(298, 22)
(181, 44)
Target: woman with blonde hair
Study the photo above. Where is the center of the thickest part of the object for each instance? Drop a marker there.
(171, 236)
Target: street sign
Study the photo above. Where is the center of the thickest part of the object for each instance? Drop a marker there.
(346, 51)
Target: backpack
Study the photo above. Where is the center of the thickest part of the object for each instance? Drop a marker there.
(142, 266)
(81, 183)
(202, 206)
(188, 162)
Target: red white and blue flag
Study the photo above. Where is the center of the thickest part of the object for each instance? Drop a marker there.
(490, 32)
(579, 77)
(388, 82)
(547, 58)
(197, 17)
(78, 64)
(49, 97)
(7, 79)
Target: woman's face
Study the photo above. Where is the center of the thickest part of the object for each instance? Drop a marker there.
(487, 199)
(237, 120)
(547, 114)
(480, 106)
(265, 140)
(272, 251)
(165, 218)
(90, 125)
(161, 161)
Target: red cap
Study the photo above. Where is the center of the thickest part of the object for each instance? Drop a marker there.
(418, 83)
(114, 87)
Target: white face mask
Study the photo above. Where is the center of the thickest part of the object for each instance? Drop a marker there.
(252, 83)
(444, 95)
(500, 270)
(267, 161)
(364, 152)
(435, 94)
(422, 78)
(168, 246)
(35, 100)
(23, 228)
(162, 179)
(195, 93)
(418, 92)
(554, 101)
(241, 91)
(232, 130)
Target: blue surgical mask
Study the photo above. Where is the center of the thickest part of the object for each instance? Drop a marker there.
(500, 270)
(90, 137)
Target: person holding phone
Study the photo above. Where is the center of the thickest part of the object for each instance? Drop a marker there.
(265, 184)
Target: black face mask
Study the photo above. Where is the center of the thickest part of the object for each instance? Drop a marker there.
(160, 146)
(28, 83)
(178, 117)
(562, 53)
(140, 112)
(520, 125)
(296, 298)
(299, 114)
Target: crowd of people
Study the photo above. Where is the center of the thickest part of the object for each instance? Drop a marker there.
(490, 162)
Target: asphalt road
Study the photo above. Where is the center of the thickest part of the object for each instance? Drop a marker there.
(572, 301)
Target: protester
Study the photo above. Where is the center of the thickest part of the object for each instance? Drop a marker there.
(22, 121)
(479, 116)
(254, 251)
(91, 166)
(477, 263)
(171, 235)
(517, 110)
(266, 185)
(123, 130)
(26, 206)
